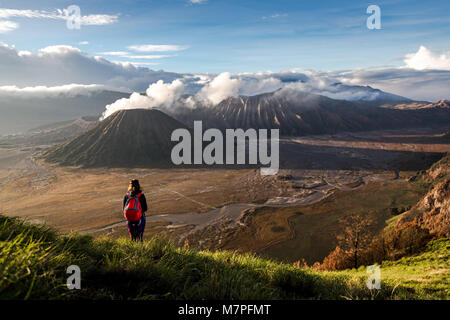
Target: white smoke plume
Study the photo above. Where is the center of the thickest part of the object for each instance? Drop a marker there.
(211, 90)
(158, 94)
(221, 87)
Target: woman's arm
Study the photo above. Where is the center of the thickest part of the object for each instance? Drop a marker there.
(125, 198)
(143, 201)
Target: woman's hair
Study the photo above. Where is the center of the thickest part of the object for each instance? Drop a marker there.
(134, 186)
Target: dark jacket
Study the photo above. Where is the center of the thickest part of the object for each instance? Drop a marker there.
(142, 200)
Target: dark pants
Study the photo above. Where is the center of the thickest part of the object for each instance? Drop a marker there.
(136, 229)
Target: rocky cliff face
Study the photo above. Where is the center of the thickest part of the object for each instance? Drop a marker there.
(433, 211)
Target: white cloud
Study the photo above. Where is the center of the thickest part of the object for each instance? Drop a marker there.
(221, 87)
(24, 53)
(158, 94)
(275, 16)
(135, 64)
(113, 53)
(425, 59)
(156, 48)
(125, 54)
(146, 56)
(83, 43)
(430, 85)
(257, 84)
(165, 93)
(58, 14)
(425, 76)
(61, 65)
(44, 91)
(65, 65)
(197, 1)
(95, 19)
(7, 26)
(58, 50)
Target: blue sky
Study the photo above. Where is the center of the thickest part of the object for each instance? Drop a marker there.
(243, 36)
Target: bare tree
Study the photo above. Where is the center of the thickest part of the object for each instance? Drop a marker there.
(356, 236)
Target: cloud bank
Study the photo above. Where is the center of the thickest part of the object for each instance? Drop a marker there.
(63, 65)
(425, 75)
(69, 90)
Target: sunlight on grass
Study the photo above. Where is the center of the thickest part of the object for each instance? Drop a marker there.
(34, 259)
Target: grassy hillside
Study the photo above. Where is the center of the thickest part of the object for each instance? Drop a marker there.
(33, 262)
(423, 276)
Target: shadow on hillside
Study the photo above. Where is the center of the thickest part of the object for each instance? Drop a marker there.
(295, 154)
(425, 138)
(190, 275)
(302, 156)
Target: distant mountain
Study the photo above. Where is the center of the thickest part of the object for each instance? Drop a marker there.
(342, 91)
(52, 133)
(20, 114)
(442, 104)
(300, 113)
(127, 138)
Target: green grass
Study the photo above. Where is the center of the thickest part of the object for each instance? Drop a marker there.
(33, 262)
(424, 276)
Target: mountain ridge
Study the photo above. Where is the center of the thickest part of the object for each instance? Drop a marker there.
(299, 113)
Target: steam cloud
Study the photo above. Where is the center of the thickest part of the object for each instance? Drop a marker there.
(221, 87)
(157, 94)
(210, 91)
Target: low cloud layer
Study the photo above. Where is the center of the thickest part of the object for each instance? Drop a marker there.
(69, 90)
(424, 76)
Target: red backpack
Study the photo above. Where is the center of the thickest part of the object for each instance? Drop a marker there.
(133, 210)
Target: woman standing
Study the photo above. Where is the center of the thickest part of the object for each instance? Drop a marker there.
(134, 208)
